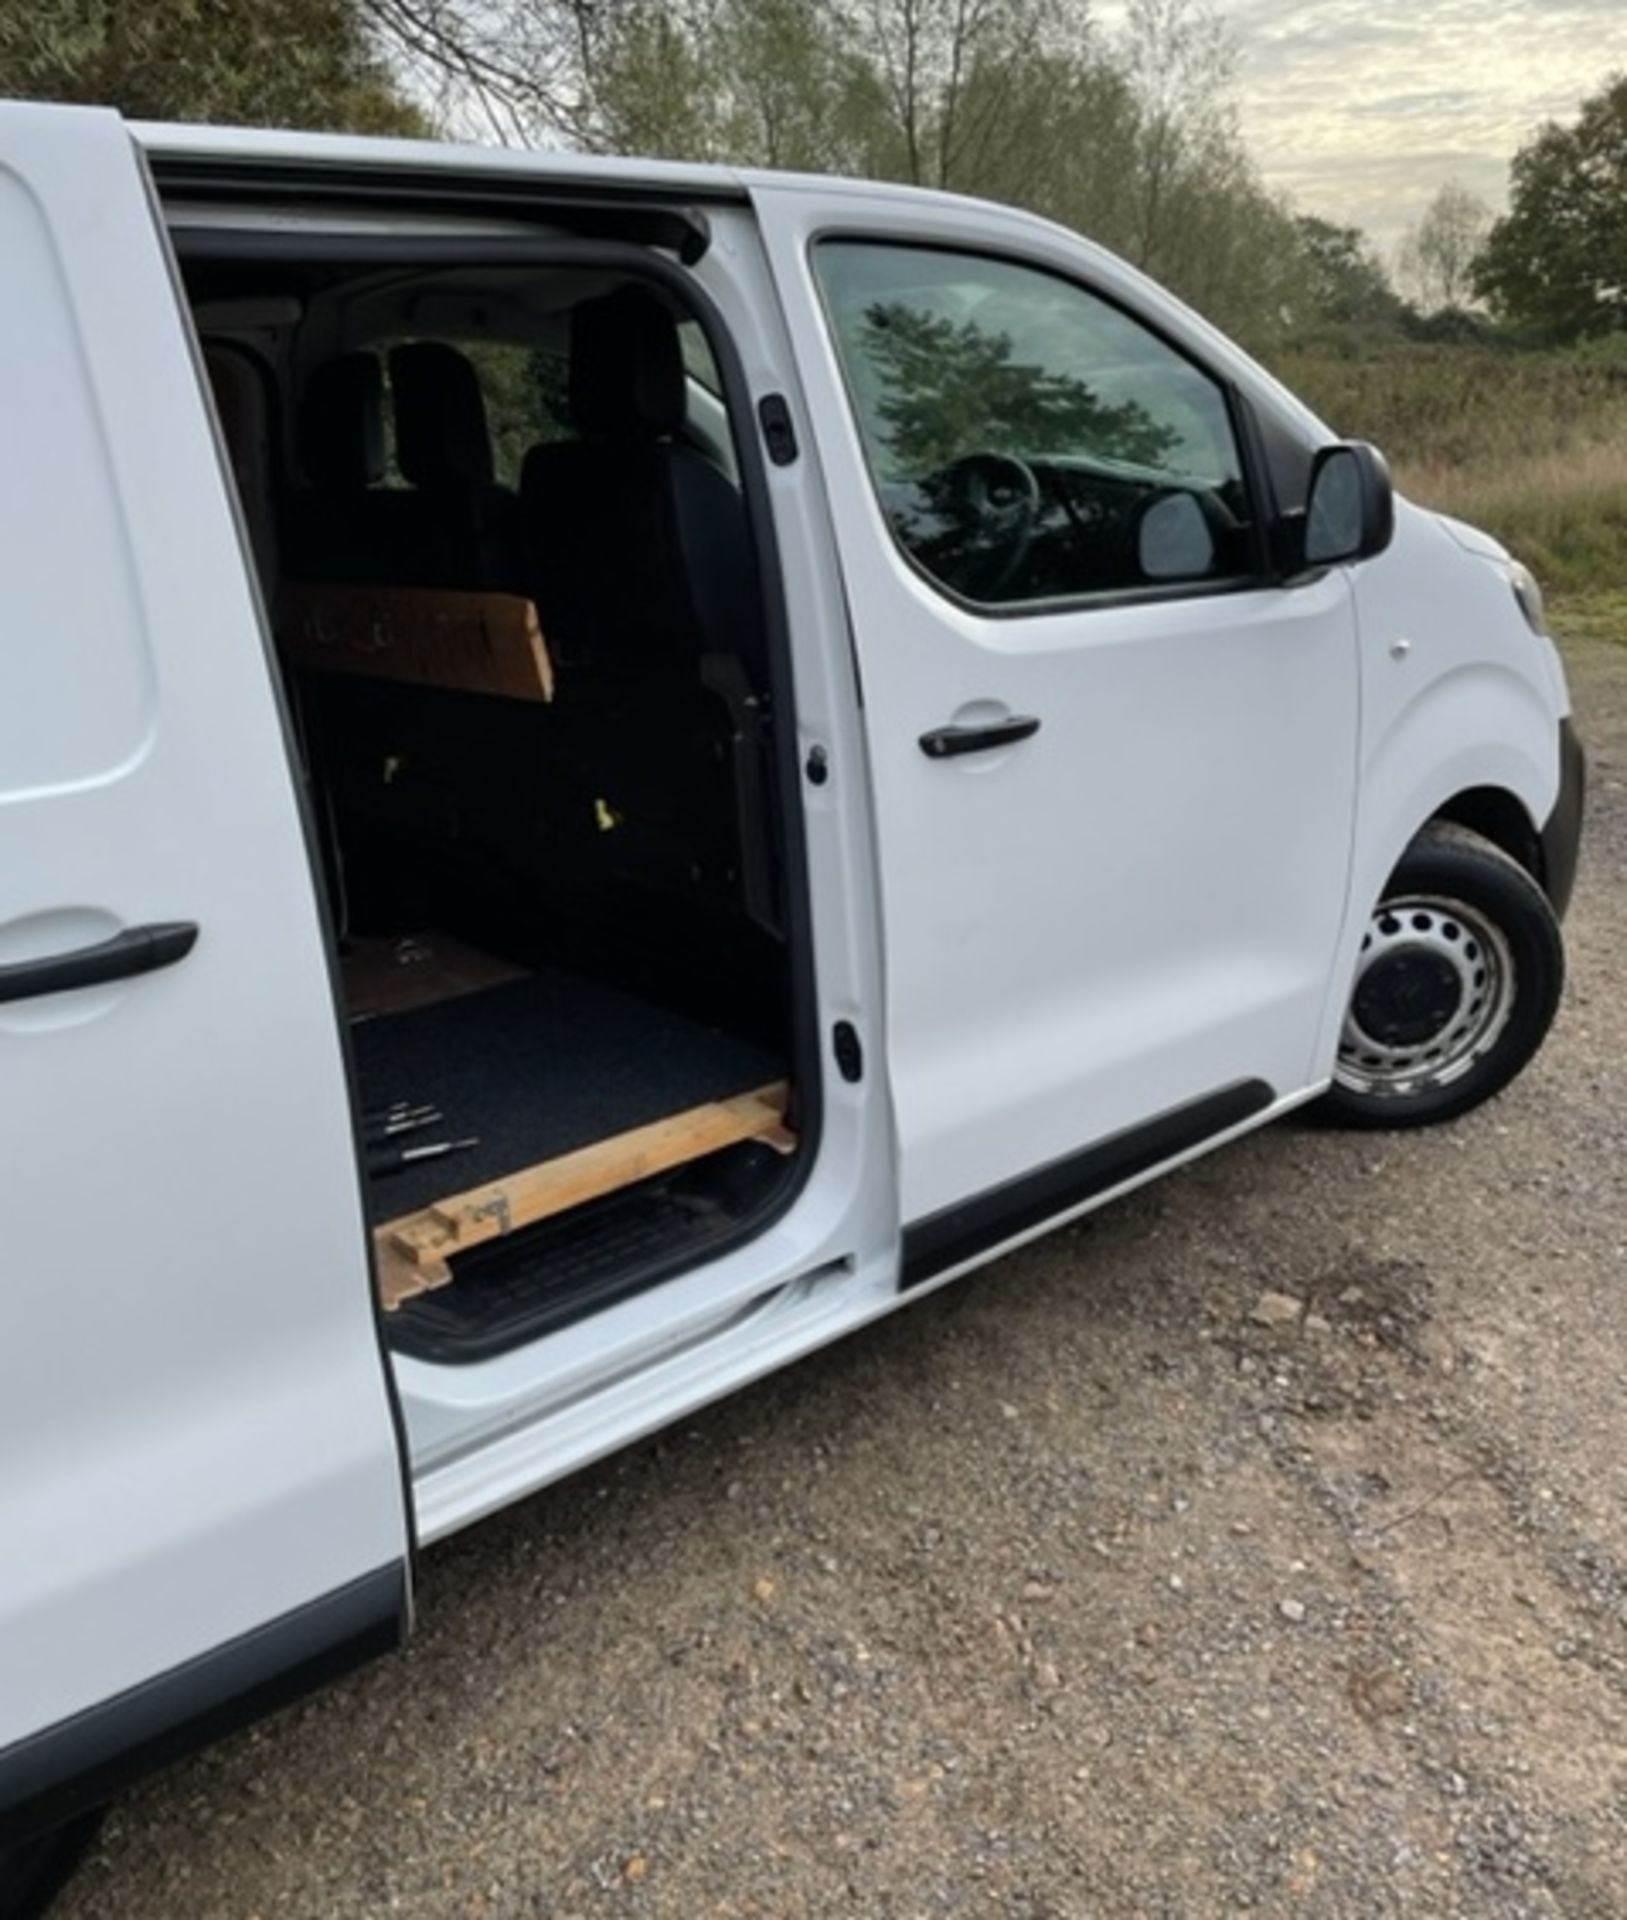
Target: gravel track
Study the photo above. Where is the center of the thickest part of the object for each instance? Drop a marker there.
(1088, 1587)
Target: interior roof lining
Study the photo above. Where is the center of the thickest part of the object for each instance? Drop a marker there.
(507, 305)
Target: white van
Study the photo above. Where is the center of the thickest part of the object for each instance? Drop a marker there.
(608, 770)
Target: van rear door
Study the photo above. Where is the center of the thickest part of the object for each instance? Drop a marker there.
(201, 1494)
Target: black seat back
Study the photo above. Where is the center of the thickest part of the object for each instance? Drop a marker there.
(637, 547)
(460, 522)
(637, 552)
(335, 527)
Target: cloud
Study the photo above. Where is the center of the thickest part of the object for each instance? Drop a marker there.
(1443, 104)
(1363, 109)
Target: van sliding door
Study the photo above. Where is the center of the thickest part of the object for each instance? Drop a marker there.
(201, 1500)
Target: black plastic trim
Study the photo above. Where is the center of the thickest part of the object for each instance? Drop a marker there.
(64, 1771)
(949, 743)
(34, 1871)
(431, 1328)
(779, 434)
(625, 214)
(135, 950)
(971, 1227)
(1562, 835)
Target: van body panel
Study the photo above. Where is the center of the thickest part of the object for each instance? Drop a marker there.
(196, 1430)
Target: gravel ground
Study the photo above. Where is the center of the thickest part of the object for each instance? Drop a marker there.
(1089, 1587)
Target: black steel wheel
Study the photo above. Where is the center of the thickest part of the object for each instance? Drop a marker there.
(1456, 986)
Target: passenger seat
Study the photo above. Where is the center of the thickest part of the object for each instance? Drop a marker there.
(458, 522)
(638, 554)
(338, 527)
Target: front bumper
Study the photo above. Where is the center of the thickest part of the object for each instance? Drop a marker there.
(1562, 834)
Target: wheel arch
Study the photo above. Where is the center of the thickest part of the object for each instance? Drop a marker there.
(1501, 817)
(1475, 761)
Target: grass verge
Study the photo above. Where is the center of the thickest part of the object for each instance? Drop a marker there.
(1598, 617)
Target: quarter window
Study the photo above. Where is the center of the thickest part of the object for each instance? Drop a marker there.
(1028, 441)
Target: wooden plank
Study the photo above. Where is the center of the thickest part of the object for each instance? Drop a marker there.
(414, 1251)
(427, 636)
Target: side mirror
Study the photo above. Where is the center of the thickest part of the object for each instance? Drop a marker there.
(1349, 505)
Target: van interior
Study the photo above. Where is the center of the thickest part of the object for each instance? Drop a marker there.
(518, 611)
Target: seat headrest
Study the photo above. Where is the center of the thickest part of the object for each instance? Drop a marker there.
(627, 369)
(341, 422)
(441, 437)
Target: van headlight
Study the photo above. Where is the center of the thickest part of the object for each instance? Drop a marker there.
(1529, 596)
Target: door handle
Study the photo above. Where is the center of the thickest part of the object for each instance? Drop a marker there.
(136, 950)
(944, 743)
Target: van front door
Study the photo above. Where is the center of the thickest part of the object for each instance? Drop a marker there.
(201, 1498)
(1113, 767)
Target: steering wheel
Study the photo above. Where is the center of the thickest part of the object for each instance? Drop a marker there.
(994, 503)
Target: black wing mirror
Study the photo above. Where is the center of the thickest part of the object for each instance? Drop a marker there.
(1349, 505)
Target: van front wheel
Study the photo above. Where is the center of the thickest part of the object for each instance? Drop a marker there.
(1457, 983)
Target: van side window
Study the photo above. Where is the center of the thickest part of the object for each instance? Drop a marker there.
(1028, 441)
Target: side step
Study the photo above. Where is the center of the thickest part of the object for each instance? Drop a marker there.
(415, 1251)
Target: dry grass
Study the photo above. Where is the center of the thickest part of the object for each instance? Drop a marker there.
(1531, 446)
(1565, 514)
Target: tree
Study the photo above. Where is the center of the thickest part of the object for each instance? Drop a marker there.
(947, 75)
(288, 63)
(1345, 282)
(503, 69)
(754, 82)
(1558, 259)
(1179, 62)
(1435, 260)
(1131, 139)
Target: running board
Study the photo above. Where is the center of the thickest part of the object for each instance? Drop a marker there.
(415, 1251)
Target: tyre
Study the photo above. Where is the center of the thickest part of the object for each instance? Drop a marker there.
(1457, 984)
(33, 1872)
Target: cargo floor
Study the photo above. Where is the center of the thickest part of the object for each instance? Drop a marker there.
(534, 1069)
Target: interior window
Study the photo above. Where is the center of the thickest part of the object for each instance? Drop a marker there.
(1029, 441)
(699, 362)
(523, 392)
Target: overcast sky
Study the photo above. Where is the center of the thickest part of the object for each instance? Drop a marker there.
(1363, 108)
